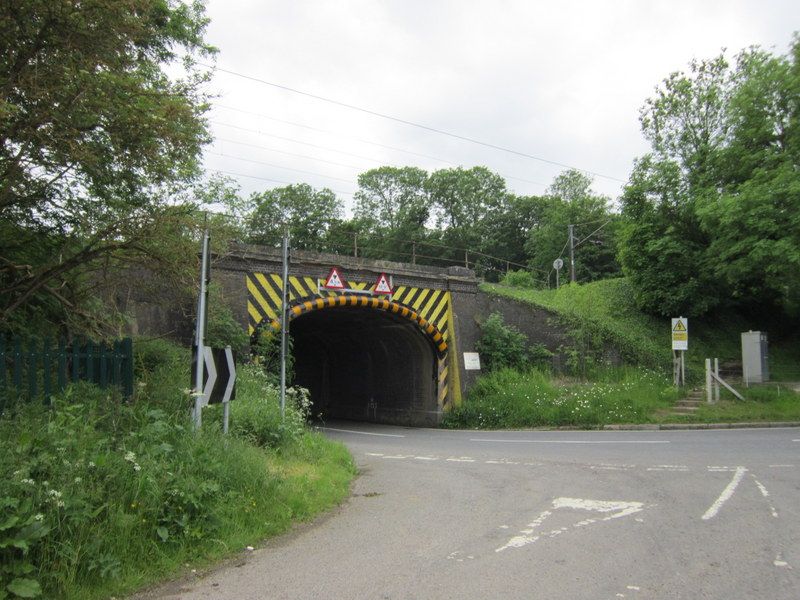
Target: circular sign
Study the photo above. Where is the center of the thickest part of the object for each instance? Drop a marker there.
(558, 263)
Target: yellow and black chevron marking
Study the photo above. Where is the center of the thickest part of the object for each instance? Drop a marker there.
(441, 381)
(264, 299)
(430, 309)
(351, 300)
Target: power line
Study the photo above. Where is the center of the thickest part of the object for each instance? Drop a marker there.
(296, 141)
(329, 132)
(234, 174)
(266, 164)
(409, 123)
(591, 234)
(330, 162)
(360, 140)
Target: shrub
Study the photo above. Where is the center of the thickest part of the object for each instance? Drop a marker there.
(523, 279)
(501, 345)
(99, 496)
(509, 398)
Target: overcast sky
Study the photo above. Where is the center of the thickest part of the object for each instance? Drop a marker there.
(562, 81)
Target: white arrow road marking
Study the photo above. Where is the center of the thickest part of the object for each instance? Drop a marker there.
(231, 375)
(765, 493)
(616, 507)
(725, 495)
(211, 369)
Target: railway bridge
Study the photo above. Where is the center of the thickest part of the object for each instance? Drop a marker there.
(391, 357)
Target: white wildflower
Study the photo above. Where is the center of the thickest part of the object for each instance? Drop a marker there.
(130, 456)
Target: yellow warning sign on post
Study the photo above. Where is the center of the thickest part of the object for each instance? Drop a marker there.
(680, 333)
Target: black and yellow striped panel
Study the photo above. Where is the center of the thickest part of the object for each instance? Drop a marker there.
(442, 383)
(431, 304)
(264, 298)
(374, 303)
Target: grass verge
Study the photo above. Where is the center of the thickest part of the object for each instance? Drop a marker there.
(100, 497)
(514, 399)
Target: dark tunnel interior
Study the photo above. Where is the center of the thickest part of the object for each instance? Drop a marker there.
(365, 365)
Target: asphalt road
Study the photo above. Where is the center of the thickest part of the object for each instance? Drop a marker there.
(596, 515)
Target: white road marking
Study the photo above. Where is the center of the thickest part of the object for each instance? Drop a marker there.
(796, 440)
(399, 456)
(781, 466)
(671, 468)
(765, 493)
(725, 495)
(395, 435)
(633, 587)
(569, 441)
(779, 562)
(618, 508)
(374, 453)
(425, 458)
(462, 459)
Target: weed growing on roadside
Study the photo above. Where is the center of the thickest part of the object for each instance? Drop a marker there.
(509, 398)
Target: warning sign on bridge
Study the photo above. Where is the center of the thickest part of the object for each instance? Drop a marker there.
(680, 333)
(382, 286)
(334, 280)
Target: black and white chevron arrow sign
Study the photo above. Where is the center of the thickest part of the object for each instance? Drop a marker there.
(219, 375)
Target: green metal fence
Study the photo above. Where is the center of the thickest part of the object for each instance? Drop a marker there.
(37, 368)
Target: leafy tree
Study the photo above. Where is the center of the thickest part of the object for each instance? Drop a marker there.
(724, 140)
(308, 213)
(661, 247)
(94, 140)
(570, 200)
(393, 207)
(466, 201)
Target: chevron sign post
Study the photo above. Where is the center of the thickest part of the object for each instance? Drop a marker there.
(219, 378)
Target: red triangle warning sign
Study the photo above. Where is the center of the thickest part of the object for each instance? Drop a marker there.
(382, 285)
(334, 280)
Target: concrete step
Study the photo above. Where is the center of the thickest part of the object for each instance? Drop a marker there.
(684, 409)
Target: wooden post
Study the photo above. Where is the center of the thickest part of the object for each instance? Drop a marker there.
(716, 381)
(709, 392)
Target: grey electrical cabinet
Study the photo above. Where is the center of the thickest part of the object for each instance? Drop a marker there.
(755, 363)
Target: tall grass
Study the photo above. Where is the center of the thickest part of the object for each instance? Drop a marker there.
(99, 497)
(513, 399)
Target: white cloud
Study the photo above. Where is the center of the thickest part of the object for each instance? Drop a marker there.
(563, 81)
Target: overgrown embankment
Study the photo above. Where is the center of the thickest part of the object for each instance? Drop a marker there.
(517, 391)
(603, 313)
(100, 497)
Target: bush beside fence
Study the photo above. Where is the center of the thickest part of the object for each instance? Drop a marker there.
(32, 369)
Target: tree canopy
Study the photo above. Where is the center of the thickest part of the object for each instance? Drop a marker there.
(94, 136)
(712, 215)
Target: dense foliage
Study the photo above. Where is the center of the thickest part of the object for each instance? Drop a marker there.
(98, 497)
(94, 138)
(712, 214)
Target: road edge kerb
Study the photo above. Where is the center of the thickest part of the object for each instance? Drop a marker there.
(672, 426)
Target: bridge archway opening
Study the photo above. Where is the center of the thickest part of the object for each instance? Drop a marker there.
(367, 365)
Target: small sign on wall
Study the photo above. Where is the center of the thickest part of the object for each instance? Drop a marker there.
(472, 361)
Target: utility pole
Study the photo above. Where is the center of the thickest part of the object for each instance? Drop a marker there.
(200, 331)
(572, 253)
(284, 320)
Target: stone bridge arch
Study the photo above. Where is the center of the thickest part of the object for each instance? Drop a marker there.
(363, 356)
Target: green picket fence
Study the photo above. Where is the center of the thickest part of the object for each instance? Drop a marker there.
(35, 369)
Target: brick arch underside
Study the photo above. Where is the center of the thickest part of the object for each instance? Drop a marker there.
(366, 362)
